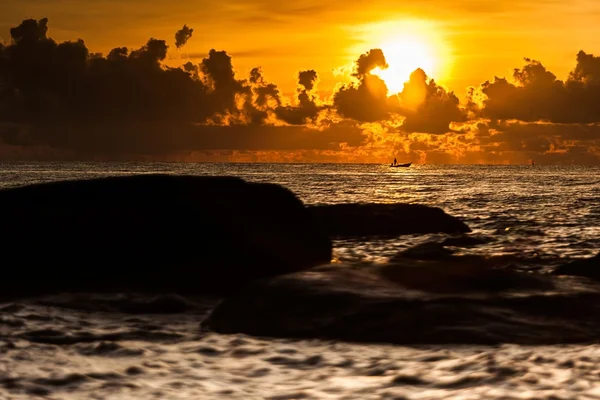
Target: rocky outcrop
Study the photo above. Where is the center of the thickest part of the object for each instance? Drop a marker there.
(342, 220)
(153, 232)
(589, 267)
(418, 302)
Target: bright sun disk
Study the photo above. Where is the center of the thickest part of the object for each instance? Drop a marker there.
(404, 54)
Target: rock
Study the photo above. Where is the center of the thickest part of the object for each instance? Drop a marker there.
(414, 304)
(430, 250)
(460, 275)
(438, 250)
(163, 304)
(447, 258)
(161, 233)
(465, 241)
(385, 220)
(589, 267)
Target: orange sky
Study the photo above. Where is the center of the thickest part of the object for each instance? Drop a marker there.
(482, 38)
(460, 43)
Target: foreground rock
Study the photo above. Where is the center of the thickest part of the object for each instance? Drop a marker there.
(417, 302)
(385, 220)
(589, 267)
(154, 232)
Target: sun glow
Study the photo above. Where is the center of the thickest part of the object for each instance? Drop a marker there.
(404, 54)
(407, 45)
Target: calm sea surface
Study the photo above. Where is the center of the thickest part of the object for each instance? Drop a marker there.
(541, 215)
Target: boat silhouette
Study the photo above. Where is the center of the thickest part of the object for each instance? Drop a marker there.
(400, 165)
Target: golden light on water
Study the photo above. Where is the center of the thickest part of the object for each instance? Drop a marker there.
(408, 45)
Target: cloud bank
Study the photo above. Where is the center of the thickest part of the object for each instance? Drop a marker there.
(61, 101)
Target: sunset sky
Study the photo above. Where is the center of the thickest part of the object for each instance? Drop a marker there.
(459, 43)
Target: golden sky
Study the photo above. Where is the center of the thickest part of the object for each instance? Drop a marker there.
(472, 40)
(459, 43)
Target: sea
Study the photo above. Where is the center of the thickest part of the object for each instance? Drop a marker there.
(536, 216)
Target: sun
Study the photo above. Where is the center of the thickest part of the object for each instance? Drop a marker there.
(404, 54)
(407, 44)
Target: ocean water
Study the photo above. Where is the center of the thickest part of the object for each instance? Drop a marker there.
(92, 347)
(545, 214)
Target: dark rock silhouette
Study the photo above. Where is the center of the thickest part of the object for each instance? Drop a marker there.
(385, 219)
(589, 267)
(153, 232)
(465, 241)
(430, 250)
(422, 302)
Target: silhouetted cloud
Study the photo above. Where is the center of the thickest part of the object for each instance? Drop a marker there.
(366, 100)
(307, 109)
(308, 79)
(428, 107)
(30, 31)
(267, 94)
(369, 61)
(59, 100)
(538, 95)
(425, 106)
(182, 36)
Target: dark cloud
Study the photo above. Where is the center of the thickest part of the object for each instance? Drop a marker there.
(308, 79)
(307, 109)
(128, 102)
(182, 36)
(365, 101)
(265, 92)
(255, 137)
(537, 95)
(521, 142)
(219, 77)
(264, 53)
(587, 70)
(514, 131)
(61, 100)
(427, 107)
(157, 138)
(369, 61)
(30, 31)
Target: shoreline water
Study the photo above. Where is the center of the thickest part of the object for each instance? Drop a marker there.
(166, 356)
(119, 347)
(549, 212)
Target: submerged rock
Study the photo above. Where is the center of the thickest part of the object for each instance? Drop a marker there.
(446, 255)
(155, 232)
(385, 219)
(430, 250)
(589, 267)
(419, 302)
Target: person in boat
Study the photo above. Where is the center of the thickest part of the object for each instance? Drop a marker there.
(395, 162)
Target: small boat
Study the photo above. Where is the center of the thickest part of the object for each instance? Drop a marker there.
(400, 165)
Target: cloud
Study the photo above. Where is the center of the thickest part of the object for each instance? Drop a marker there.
(537, 95)
(30, 31)
(365, 100)
(61, 100)
(182, 36)
(308, 108)
(426, 106)
(308, 79)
